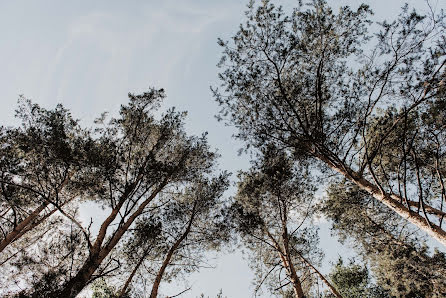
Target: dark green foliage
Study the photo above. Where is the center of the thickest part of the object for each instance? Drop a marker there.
(353, 281)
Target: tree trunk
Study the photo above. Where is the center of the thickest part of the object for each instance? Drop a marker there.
(75, 285)
(297, 286)
(27, 224)
(295, 281)
(293, 275)
(286, 262)
(322, 277)
(159, 276)
(12, 236)
(129, 279)
(390, 200)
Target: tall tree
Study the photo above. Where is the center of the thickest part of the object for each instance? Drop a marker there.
(273, 211)
(316, 83)
(147, 156)
(399, 259)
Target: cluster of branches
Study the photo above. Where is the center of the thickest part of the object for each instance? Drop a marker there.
(272, 213)
(162, 206)
(398, 256)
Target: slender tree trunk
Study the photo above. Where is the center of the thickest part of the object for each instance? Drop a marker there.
(30, 221)
(288, 265)
(390, 200)
(159, 276)
(35, 224)
(297, 286)
(12, 236)
(322, 277)
(129, 279)
(295, 281)
(285, 237)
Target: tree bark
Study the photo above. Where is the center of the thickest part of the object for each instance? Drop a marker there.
(390, 200)
(297, 286)
(295, 281)
(288, 265)
(27, 224)
(293, 275)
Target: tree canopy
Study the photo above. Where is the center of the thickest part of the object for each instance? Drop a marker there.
(133, 166)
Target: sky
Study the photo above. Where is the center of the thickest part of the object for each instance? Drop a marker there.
(88, 55)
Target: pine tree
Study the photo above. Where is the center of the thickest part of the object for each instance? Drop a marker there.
(371, 109)
(272, 212)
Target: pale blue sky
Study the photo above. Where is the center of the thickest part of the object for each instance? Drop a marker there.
(89, 54)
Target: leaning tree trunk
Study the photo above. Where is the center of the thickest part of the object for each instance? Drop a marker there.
(322, 277)
(297, 286)
(159, 276)
(129, 279)
(24, 224)
(286, 262)
(390, 200)
(295, 281)
(30, 221)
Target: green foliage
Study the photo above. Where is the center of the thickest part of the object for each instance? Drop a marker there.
(192, 219)
(140, 167)
(102, 290)
(353, 281)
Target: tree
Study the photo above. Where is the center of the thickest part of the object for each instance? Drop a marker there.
(371, 109)
(46, 165)
(147, 156)
(398, 257)
(271, 211)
